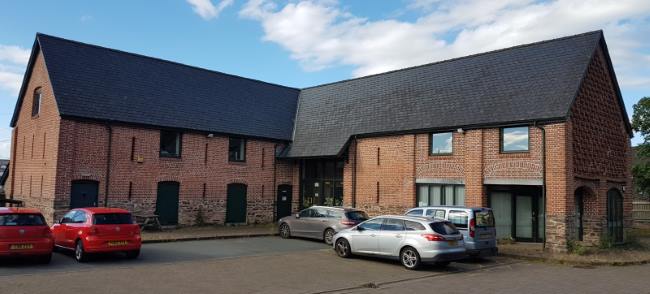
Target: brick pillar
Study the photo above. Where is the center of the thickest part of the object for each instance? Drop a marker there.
(473, 163)
(559, 187)
(348, 175)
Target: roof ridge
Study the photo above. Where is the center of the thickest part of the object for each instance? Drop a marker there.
(38, 34)
(458, 58)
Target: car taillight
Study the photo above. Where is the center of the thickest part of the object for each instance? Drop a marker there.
(434, 237)
(347, 222)
(472, 228)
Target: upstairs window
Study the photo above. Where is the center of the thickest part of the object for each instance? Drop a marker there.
(36, 102)
(237, 149)
(170, 144)
(514, 139)
(441, 144)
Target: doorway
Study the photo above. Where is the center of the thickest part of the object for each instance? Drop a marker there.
(167, 203)
(615, 215)
(283, 203)
(236, 204)
(518, 212)
(83, 193)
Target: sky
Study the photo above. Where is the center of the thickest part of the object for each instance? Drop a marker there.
(304, 43)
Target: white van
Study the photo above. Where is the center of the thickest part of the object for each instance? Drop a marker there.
(475, 223)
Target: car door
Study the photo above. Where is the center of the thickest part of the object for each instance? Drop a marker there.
(364, 239)
(436, 213)
(59, 230)
(299, 225)
(74, 228)
(390, 236)
(318, 222)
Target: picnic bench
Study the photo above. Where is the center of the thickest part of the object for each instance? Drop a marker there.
(148, 221)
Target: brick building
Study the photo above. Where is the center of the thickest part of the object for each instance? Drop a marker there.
(538, 132)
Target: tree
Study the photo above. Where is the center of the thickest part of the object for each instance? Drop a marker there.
(641, 124)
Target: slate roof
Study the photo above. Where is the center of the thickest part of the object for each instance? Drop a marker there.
(534, 82)
(93, 82)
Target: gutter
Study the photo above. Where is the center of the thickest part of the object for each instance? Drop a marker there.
(354, 172)
(536, 125)
(108, 163)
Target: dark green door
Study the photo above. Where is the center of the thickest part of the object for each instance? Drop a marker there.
(283, 203)
(167, 203)
(615, 215)
(83, 194)
(236, 204)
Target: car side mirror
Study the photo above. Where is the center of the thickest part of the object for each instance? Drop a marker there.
(297, 215)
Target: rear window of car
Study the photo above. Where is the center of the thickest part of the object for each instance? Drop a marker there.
(444, 228)
(21, 219)
(484, 218)
(112, 219)
(356, 215)
(459, 218)
(415, 212)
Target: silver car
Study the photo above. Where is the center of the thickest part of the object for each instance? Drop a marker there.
(320, 222)
(475, 223)
(412, 240)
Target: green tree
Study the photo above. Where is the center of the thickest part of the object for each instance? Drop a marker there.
(641, 124)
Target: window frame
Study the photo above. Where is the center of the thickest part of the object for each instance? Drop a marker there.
(443, 194)
(501, 142)
(431, 144)
(179, 143)
(37, 111)
(244, 142)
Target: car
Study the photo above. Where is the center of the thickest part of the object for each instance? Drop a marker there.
(412, 240)
(475, 223)
(24, 233)
(88, 231)
(320, 222)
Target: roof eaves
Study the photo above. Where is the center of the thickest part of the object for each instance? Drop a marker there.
(26, 77)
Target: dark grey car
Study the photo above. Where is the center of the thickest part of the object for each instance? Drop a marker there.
(320, 222)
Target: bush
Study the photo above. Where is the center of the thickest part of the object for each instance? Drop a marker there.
(577, 248)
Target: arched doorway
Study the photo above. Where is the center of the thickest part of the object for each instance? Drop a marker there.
(580, 211)
(236, 204)
(167, 203)
(615, 215)
(83, 193)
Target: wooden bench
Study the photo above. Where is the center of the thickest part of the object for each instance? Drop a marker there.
(148, 221)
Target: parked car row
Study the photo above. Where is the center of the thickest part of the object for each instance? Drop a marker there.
(436, 235)
(24, 232)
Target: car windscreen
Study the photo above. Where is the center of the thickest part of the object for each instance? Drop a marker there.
(484, 218)
(444, 228)
(112, 219)
(21, 219)
(356, 216)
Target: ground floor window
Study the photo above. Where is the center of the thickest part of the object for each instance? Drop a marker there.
(518, 212)
(440, 194)
(321, 183)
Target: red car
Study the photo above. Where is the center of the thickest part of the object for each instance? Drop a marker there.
(24, 232)
(97, 230)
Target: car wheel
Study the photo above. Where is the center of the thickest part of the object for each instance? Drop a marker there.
(79, 253)
(328, 236)
(410, 258)
(285, 231)
(342, 248)
(45, 259)
(133, 254)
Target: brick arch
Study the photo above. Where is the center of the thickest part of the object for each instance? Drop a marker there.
(507, 167)
(446, 168)
(237, 181)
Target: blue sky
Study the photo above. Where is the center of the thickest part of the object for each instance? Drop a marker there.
(305, 43)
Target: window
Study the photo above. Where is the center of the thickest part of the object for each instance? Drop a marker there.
(414, 226)
(444, 228)
(67, 218)
(112, 219)
(356, 216)
(170, 144)
(440, 194)
(307, 213)
(459, 218)
(441, 144)
(237, 149)
(393, 224)
(319, 212)
(21, 219)
(36, 102)
(514, 139)
(373, 224)
(415, 212)
(436, 213)
(79, 217)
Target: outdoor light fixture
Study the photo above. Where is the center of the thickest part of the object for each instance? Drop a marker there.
(210, 135)
(460, 130)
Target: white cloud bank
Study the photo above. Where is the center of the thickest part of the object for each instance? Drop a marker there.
(13, 60)
(207, 10)
(321, 34)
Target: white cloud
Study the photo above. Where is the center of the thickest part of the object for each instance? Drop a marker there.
(321, 34)
(207, 10)
(5, 142)
(13, 60)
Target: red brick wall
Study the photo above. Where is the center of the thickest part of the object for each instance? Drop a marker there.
(601, 148)
(34, 145)
(85, 153)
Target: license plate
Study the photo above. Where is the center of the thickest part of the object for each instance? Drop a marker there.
(21, 246)
(118, 243)
(452, 243)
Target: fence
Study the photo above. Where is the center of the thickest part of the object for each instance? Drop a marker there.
(641, 212)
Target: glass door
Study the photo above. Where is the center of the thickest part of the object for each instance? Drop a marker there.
(524, 217)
